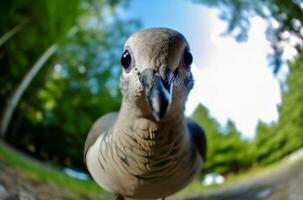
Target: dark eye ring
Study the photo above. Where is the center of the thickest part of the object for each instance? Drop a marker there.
(187, 59)
(126, 60)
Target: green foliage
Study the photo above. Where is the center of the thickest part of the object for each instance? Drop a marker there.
(77, 85)
(277, 140)
(80, 82)
(227, 152)
(82, 87)
(263, 142)
(44, 26)
(289, 129)
(284, 19)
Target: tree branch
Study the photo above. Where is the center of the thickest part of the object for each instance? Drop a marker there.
(13, 31)
(16, 96)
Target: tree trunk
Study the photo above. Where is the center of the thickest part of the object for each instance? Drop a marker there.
(16, 96)
(13, 31)
(20, 117)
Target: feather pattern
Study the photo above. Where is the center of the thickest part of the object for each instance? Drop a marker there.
(135, 152)
(148, 157)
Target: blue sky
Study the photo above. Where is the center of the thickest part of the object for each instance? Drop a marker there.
(233, 80)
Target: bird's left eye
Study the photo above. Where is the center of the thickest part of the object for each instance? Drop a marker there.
(187, 59)
(126, 61)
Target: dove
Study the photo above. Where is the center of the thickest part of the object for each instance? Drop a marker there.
(149, 149)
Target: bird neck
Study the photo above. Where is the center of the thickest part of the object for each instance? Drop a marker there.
(148, 145)
(132, 112)
(132, 119)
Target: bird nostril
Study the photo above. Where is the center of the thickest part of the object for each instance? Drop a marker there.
(146, 77)
(166, 75)
(176, 72)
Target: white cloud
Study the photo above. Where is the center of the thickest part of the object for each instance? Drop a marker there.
(235, 81)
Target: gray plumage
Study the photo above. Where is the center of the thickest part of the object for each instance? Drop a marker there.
(149, 149)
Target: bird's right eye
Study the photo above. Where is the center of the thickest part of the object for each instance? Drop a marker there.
(187, 59)
(126, 61)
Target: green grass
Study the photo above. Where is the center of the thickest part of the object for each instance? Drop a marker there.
(35, 170)
(38, 171)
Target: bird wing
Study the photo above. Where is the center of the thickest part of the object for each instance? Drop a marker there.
(101, 125)
(198, 136)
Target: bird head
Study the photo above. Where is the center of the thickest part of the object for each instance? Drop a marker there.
(156, 75)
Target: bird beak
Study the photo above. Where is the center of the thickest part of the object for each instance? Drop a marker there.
(157, 90)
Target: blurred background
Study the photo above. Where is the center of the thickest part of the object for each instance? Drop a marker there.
(60, 68)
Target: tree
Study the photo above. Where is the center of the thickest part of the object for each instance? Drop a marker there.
(290, 124)
(263, 142)
(277, 140)
(227, 152)
(16, 96)
(78, 83)
(82, 86)
(41, 18)
(284, 19)
(284, 28)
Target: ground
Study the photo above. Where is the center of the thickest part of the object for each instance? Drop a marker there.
(23, 178)
(15, 186)
(282, 184)
(280, 181)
